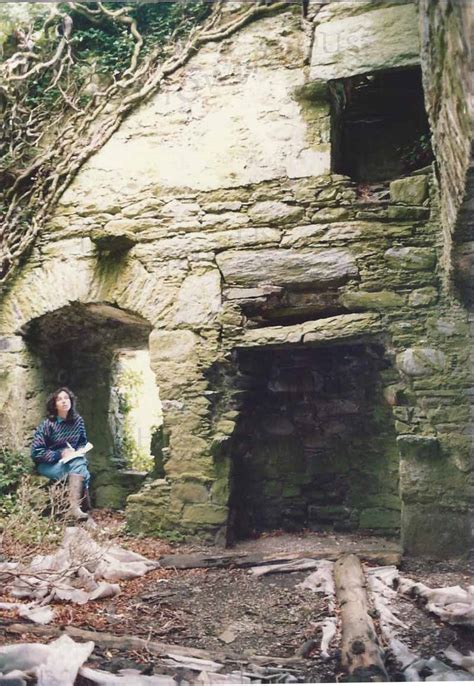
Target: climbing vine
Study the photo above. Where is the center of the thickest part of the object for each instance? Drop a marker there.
(68, 79)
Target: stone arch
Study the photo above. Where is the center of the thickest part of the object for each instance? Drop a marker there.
(82, 345)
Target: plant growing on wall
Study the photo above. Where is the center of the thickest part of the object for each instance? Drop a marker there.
(70, 75)
(417, 154)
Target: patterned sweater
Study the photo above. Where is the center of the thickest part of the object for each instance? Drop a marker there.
(52, 436)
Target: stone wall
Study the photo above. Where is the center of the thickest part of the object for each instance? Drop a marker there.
(212, 218)
(447, 37)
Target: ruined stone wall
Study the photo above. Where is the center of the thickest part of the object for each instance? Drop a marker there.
(212, 216)
(447, 37)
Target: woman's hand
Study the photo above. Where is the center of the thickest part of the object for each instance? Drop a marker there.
(67, 452)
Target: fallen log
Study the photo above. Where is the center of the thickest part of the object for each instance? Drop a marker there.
(107, 640)
(199, 560)
(157, 648)
(361, 655)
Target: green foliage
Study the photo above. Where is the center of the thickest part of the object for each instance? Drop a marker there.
(130, 386)
(417, 154)
(169, 535)
(36, 515)
(39, 93)
(110, 49)
(157, 21)
(13, 466)
(110, 45)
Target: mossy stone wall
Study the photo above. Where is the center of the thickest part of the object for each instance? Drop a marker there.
(252, 243)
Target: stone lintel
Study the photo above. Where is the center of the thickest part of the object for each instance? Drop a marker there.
(346, 44)
(342, 328)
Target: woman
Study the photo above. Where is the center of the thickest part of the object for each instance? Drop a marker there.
(57, 438)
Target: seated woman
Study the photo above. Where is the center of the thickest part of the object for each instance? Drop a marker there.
(57, 438)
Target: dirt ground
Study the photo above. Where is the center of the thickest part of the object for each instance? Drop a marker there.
(232, 611)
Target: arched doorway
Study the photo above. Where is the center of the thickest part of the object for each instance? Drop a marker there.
(101, 352)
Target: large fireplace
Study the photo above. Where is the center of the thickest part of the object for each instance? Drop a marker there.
(315, 442)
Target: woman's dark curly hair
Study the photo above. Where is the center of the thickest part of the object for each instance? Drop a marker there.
(51, 410)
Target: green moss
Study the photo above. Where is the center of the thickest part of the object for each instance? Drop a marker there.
(195, 516)
(381, 300)
(379, 518)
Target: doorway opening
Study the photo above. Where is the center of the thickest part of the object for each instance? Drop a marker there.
(101, 353)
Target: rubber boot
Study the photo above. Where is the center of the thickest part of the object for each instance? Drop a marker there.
(86, 504)
(75, 495)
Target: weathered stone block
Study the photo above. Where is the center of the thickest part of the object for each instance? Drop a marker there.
(301, 236)
(287, 267)
(220, 490)
(411, 258)
(171, 345)
(189, 492)
(217, 207)
(273, 212)
(204, 515)
(113, 242)
(407, 213)
(410, 191)
(435, 532)
(224, 220)
(331, 214)
(421, 361)
(384, 38)
(422, 297)
(418, 447)
(378, 300)
(199, 298)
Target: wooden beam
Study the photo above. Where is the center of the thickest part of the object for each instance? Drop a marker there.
(243, 560)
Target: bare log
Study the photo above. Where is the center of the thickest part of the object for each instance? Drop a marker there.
(200, 560)
(157, 648)
(361, 655)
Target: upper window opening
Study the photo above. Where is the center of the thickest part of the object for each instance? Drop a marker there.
(380, 129)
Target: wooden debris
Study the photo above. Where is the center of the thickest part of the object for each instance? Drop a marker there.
(156, 648)
(306, 648)
(110, 641)
(293, 566)
(361, 656)
(195, 664)
(198, 560)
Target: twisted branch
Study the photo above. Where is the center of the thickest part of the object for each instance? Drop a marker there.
(33, 190)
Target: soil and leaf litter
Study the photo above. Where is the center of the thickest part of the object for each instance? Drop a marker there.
(270, 611)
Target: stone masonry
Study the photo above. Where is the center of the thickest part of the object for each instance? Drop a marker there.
(212, 220)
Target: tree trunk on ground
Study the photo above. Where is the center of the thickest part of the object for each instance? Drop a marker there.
(131, 643)
(199, 560)
(361, 655)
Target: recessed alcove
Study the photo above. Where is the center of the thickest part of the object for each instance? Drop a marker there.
(101, 353)
(315, 443)
(380, 129)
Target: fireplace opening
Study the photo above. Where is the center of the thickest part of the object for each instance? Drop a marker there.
(380, 129)
(314, 446)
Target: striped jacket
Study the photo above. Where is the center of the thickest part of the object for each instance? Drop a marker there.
(52, 436)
